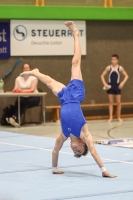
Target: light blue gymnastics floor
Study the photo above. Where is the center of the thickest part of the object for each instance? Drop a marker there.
(25, 171)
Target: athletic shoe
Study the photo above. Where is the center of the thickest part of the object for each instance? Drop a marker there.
(7, 120)
(13, 122)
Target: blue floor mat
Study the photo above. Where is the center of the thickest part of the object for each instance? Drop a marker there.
(25, 171)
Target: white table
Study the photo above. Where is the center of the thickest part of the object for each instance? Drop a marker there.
(18, 95)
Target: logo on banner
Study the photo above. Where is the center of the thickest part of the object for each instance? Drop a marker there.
(20, 33)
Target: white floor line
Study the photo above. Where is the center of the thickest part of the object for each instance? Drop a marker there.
(43, 149)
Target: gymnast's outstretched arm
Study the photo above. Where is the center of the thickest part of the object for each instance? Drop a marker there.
(55, 153)
(87, 138)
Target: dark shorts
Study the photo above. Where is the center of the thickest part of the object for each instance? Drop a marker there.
(114, 90)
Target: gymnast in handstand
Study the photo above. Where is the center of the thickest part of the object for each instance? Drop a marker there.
(73, 123)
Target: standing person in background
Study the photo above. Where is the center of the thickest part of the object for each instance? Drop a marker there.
(24, 85)
(114, 85)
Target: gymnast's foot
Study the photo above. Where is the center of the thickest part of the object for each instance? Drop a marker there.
(72, 28)
(120, 120)
(30, 73)
(110, 120)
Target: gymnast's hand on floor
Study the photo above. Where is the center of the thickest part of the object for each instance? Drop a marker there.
(59, 172)
(106, 174)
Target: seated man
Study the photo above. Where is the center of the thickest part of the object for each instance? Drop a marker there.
(73, 123)
(24, 85)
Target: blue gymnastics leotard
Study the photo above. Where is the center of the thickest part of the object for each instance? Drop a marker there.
(72, 119)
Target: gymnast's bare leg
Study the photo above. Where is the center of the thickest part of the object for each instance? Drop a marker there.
(52, 84)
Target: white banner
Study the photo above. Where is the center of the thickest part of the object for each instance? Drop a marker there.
(43, 38)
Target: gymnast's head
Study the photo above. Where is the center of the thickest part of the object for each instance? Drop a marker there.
(114, 59)
(79, 148)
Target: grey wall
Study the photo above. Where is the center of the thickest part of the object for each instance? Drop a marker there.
(104, 38)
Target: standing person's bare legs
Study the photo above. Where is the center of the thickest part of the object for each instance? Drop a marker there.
(111, 101)
(76, 61)
(118, 101)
